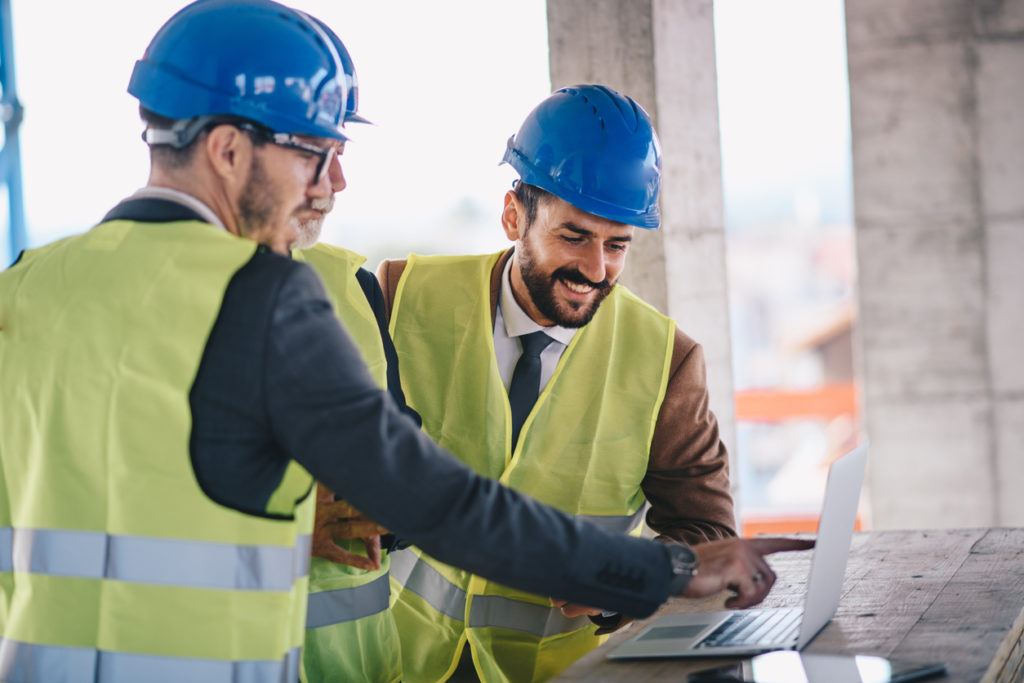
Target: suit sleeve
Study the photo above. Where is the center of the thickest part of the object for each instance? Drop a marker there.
(687, 480)
(326, 412)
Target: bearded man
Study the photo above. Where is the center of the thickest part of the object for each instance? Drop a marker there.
(620, 417)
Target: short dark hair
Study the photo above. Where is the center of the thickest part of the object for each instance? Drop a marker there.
(166, 155)
(172, 157)
(531, 197)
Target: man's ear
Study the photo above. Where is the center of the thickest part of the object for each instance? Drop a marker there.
(513, 217)
(229, 151)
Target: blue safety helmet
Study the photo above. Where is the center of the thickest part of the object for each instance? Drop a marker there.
(352, 103)
(251, 59)
(595, 149)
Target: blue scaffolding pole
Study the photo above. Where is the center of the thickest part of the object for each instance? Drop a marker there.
(11, 114)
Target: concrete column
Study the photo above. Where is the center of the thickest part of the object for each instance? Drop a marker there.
(662, 54)
(937, 132)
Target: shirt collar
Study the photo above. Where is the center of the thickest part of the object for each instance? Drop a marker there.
(517, 321)
(156, 192)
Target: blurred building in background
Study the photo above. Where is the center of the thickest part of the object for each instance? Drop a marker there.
(920, 103)
(790, 255)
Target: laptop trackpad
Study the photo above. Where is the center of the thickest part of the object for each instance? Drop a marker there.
(674, 632)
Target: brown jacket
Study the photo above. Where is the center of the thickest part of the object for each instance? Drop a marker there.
(687, 481)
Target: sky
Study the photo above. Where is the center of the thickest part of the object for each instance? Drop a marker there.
(783, 99)
(445, 83)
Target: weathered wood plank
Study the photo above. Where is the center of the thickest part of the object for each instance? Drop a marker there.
(1008, 664)
(969, 619)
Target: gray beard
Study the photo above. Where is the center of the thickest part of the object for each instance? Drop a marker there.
(309, 232)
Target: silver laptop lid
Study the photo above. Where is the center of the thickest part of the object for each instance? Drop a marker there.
(832, 547)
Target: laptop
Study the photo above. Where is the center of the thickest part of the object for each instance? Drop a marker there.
(750, 631)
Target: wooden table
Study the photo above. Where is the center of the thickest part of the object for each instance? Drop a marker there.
(953, 596)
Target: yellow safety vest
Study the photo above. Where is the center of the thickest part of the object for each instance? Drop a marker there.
(350, 632)
(114, 565)
(584, 449)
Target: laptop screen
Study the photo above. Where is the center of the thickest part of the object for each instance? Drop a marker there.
(832, 547)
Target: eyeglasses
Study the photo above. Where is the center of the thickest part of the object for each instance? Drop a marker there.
(325, 155)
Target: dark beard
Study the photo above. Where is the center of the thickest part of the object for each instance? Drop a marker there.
(542, 291)
(257, 203)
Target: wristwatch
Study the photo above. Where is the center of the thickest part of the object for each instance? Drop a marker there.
(684, 567)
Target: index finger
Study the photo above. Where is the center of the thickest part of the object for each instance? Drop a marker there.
(332, 552)
(372, 544)
(767, 546)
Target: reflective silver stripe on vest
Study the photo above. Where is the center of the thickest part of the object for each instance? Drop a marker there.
(537, 620)
(418, 576)
(165, 561)
(422, 579)
(622, 524)
(302, 555)
(327, 608)
(28, 663)
(6, 550)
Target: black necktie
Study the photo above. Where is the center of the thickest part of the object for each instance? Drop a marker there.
(525, 385)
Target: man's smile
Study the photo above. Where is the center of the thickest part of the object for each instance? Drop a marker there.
(577, 287)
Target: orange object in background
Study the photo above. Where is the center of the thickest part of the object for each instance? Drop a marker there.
(785, 524)
(827, 402)
(778, 405)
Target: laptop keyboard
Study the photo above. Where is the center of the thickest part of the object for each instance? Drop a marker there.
(756, 626)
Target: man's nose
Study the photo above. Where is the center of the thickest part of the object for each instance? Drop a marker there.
(329, 183)
(592, 263)
(336, 176)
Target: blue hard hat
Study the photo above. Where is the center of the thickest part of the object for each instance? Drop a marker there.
(252, 59)
(352, 103)
(595, 149)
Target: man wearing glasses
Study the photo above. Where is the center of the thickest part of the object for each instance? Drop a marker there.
(350, 631)
(173, 382)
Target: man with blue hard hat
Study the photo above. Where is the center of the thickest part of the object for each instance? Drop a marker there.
(615, 410)
(174, 383)
(350, 633)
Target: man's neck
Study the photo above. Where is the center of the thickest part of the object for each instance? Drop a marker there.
(201, 185)
(184, 198)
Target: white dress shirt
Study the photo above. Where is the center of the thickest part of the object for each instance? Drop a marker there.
(510, 322)
(158, 192)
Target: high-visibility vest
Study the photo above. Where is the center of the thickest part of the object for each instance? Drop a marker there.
(350, 632)
(584, 449)
(114, 565)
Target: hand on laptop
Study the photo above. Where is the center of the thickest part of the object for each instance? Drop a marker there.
(739, 565)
